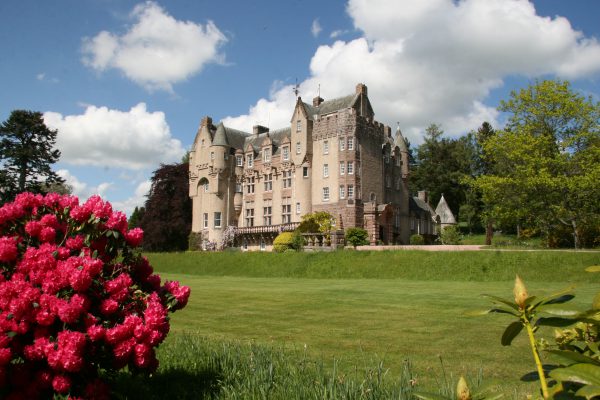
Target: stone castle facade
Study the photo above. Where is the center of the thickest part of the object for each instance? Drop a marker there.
(333, 157)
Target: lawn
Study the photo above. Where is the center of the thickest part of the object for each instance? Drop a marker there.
(363, 308)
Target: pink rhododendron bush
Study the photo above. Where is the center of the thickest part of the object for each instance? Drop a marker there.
(76, 298)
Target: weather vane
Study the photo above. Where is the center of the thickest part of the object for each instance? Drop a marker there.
(296, 88)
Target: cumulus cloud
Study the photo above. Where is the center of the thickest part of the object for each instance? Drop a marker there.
(436, 61)
(134, 139)
(157, 50)
(315, 28)
(81, 189)
(137, 200)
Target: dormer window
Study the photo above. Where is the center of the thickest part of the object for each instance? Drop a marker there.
(266, 155)
(298, 126)
(212, 155)
(285, 153)
(239, 161)
(250, 160)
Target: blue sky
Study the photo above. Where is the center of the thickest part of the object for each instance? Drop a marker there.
(127, 82)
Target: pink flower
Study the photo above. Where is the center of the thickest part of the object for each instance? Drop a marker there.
(134, 237)
(8, 249)
(109, 307)
(181, 293)
(61, 383)
(47, 234)
(33, 228)
(49, 220)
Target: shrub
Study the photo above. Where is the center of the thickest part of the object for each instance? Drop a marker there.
(297, 241)
(417, 239)
(283, 242)
(450, 235)
(76, 297)
(195, 241)
(357, 237)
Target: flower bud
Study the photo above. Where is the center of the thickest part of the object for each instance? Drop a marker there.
(462, 390)
(520, 292)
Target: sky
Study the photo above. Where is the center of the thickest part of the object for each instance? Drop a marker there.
(126, 83)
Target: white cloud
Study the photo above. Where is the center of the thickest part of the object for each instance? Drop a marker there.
(315, 28)
(137, 200)
(337, 33)
(81, 189)
(134, 139)
(436, 61)
(157, 50)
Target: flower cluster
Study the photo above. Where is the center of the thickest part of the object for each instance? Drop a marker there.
(76, 297)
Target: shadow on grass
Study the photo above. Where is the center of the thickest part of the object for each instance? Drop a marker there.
(169, 384)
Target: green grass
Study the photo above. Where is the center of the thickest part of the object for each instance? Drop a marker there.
(504, 241)
(360, 316)
(484, 266)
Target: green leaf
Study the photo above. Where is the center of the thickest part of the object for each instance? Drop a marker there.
(478, 313)
(559, 311)
(497, 299)
(573, 357)
(559, 297)
(586, 374)
(11, 334)
(593, 268)
(511, 332)
(556, 322)
(589, 391)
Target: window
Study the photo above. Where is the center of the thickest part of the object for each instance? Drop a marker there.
(305, 172)
(297, 208)
(325, 170)
(325, 194)
(286, 153)
(350, 167)
(225, 156)
(267, 213)
(398, 161)
(298, 126)
(342, 144)
(238, 187)
(239, 161)
(217, 219)
(205, 187)
(263, 245)
(342, 167)
(342, 192)
(249, 213)
(350, 143)
(205, 220)
(388, 181)
(267, 155)
(250, 160)
(398, 184)
(326, 147)
(386, 158)
(268, 182)
(286, 210)
(250, 185)
(287, 179)
(350, 191)
(202, 143)
(212, 155)
(298, 148)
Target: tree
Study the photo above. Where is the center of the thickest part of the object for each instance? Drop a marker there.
(26, 154)
(167, 219)
(136, 217)
(546, 160)
(357, 237)
(441, 165)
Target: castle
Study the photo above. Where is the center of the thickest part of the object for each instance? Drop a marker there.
(333, 157)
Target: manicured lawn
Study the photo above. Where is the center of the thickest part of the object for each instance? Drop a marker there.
(361, 321)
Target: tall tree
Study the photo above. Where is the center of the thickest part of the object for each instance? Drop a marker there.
(167, 220)
(547, 160)
(136, 217)
(26, 154)
(441, 165)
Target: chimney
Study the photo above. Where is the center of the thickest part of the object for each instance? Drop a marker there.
(258, 129)
(423, 195)
(387, 131)
(317, 101)
(206, 121)
(361, 89)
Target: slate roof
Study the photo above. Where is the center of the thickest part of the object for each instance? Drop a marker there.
(415, 204)
(444, 212)
(229, 137)
(330, 106)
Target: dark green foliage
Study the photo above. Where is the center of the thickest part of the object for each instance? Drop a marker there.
(441, 165)
(298, 241)
(167, 219)
(357, 236)
(136, 217)
(26, 154)
(417, 239)
(195, 241)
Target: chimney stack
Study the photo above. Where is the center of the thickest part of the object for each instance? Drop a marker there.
(317, 101)
(361, 89)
